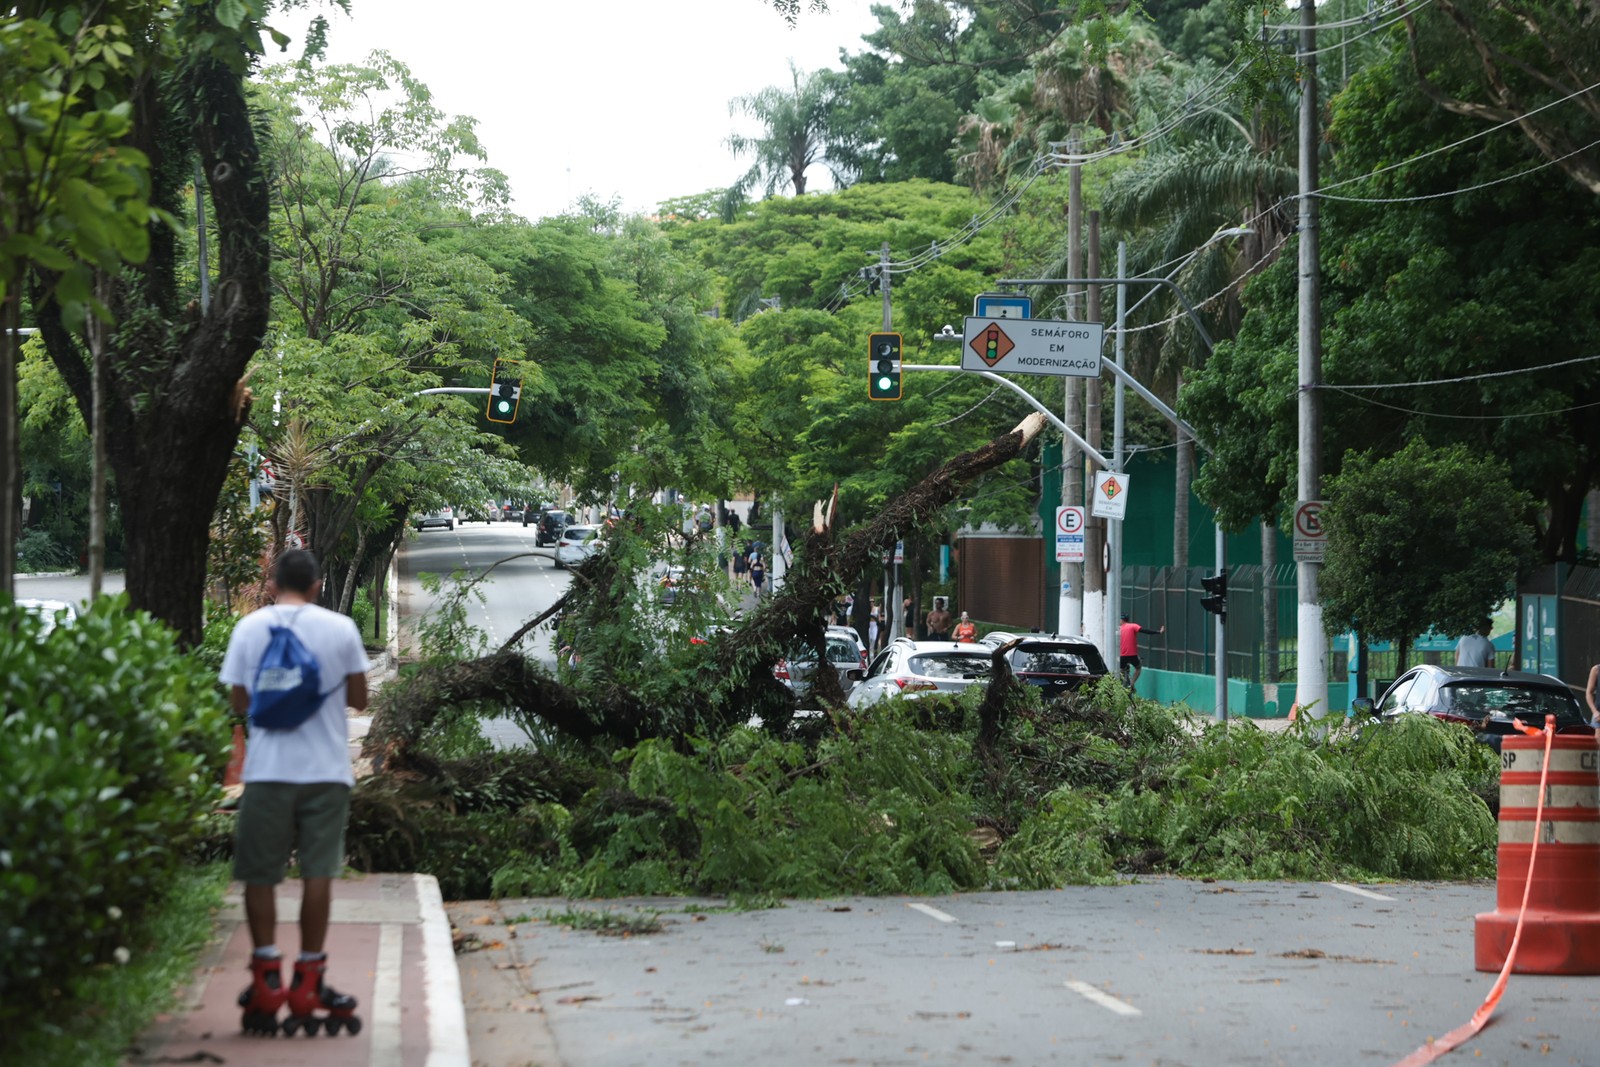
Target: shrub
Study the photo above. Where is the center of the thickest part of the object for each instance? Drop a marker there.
(113, 745)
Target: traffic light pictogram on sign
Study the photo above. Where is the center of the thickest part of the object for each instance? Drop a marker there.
(505, 391)
(883, 366)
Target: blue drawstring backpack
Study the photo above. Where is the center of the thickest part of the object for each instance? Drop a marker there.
(288, 688)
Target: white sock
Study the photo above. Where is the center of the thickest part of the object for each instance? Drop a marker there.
(268, 952)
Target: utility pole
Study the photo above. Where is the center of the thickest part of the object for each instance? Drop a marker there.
(1113, 630)
(1070, 615)
(1311, 668)
(893, 617)
(1094, 572)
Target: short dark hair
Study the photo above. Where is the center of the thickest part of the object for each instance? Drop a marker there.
(295, 571)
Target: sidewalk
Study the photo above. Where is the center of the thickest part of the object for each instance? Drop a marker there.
(388, 945)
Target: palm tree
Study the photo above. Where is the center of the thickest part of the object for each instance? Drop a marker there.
(798, 133)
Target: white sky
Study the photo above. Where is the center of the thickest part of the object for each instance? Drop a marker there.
(621, 97)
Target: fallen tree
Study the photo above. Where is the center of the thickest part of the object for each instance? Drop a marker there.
(733, 681)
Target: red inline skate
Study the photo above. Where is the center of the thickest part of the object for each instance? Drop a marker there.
(263, 997)
(309, 994)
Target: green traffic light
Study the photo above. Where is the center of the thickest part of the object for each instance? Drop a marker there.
(505, 406)
(885, 384)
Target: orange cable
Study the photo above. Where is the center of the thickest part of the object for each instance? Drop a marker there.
(1461, 1034)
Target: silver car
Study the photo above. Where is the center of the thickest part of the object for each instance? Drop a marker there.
(910, 668)
(847, 656)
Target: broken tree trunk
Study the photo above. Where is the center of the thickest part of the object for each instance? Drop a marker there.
(741, 683)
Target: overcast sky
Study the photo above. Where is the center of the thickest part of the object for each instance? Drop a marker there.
(622, 97)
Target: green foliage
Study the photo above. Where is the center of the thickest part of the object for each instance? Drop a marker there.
(897, 800)
(120, 1000)
(1399, 528)
(115, 744)
(607, 923)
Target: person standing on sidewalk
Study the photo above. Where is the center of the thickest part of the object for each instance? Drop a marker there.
(1475, 649)
(1128, 650)
(296, 798)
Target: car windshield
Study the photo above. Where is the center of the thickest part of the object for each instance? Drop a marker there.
(1049, 661)
(950, 665)
(1478, 699)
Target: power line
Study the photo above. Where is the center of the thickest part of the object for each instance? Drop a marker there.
(1360, 20)
(1458, 192)
(1467, 377)
(1462, 418)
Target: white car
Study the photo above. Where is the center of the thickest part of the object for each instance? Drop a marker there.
(576, 544)
(50, 613)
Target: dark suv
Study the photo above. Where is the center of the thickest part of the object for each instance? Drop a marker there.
(551, 523)
(1056, 663)
(1482, 698)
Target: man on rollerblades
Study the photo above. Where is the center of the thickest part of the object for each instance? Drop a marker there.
(294, 660)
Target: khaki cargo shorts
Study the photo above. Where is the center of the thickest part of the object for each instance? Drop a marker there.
(277, 818)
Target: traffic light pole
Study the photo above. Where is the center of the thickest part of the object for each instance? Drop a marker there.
(893, 599)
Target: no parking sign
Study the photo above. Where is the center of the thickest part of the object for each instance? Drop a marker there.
(1069, 534)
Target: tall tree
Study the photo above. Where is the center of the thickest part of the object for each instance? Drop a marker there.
(175, 398)
(797, 132)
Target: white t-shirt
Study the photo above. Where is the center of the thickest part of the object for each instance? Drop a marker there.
(318, 750)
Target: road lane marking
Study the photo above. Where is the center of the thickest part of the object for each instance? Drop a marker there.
(1102, 998)
(932, 912)
(1358, 891)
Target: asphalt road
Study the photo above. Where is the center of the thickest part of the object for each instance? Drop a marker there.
(518, 589)
(69, 587)
(1162, 972)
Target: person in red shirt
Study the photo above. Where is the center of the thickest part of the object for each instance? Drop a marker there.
(1129, 650)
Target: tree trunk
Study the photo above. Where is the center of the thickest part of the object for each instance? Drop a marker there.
(1182, 476)
(175, 400)
(10, 457)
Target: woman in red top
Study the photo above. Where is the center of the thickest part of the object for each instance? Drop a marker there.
(965, 630)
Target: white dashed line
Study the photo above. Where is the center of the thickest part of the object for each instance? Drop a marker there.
(1358, 891)
(1102, 998)
(932, 912)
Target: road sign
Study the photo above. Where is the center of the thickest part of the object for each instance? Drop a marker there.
(1002, 306)
(1069, 534)
(1310, 538)
(1110, 495)
(897, 556)
(1033, 346)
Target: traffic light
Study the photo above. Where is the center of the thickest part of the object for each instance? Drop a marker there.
(505, 391)
(1217, 602)
(883, 366)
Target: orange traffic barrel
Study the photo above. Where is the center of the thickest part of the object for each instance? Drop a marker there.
(1561, 931)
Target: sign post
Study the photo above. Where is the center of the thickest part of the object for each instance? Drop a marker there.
(1069, 534)
(1310, 537)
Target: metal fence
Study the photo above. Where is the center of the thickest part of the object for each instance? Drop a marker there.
(1170, 597)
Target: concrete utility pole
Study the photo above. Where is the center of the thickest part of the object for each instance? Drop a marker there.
(1094, 572)
(1113, 625)
(893, 617)
(1311, 668)
(1070, 615)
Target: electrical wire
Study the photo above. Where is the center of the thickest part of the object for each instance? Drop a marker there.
(1360, 20)
(1351, 40)
(1457, 192)
(1466, 377)
(1461, 418)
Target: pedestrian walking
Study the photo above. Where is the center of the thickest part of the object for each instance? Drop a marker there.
(873, 630)
(965, 630)
(1128, 650)
(294, 660)
(939, 621)
(758, 574)
(1475, 649)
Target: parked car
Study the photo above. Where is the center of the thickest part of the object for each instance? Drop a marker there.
(443, 517)
(910, 668)
(1482, 698)
(1056, 663)
(50, 613)
(847, 656)
(551, 523)
(576, 544)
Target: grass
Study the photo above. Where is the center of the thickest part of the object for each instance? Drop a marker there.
(606, 923)
(114, 1004)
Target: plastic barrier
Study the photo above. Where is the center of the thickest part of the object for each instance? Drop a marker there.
(1561, 929)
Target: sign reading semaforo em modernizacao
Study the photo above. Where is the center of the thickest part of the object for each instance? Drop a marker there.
(1033, 346)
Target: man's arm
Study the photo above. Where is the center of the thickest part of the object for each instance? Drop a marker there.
(240, 699)
(355, 688)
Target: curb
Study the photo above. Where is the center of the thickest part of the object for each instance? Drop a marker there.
(447, 1014)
